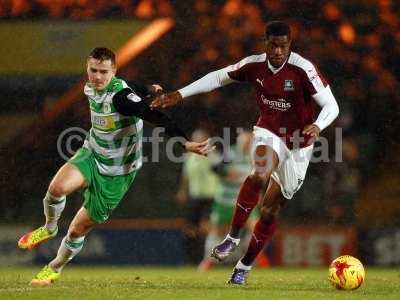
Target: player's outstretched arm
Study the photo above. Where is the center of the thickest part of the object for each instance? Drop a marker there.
(127, 103)
(207, 83)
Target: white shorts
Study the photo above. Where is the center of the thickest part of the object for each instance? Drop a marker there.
(293, 164)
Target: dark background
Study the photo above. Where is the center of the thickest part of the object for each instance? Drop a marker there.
(356, 45)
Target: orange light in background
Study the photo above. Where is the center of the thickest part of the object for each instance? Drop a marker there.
(385, 4)
(347, 33)
(231, 7)
(331, 11)
(165, 8)
(132, 48)
(54, 8)
(211, 54)
(144, 9)
(143, 39)
(19, 7)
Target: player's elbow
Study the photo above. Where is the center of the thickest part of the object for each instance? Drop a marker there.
(335, 110)
(222, 78)
(333, 105)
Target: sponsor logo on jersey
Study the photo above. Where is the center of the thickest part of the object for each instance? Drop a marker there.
(277, 104)
(260, 81)
(288, 85)
(103, 122)
(133, 97)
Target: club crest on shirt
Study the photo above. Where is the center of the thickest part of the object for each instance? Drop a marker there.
(107, 108)
(288, 85)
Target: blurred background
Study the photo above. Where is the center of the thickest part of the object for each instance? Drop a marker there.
(348, 207)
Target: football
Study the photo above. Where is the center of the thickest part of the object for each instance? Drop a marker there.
(346, 273)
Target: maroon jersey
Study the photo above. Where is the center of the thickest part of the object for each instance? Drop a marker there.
(284, 97)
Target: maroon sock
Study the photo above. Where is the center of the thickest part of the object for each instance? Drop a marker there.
(262, 233)
(247, 199)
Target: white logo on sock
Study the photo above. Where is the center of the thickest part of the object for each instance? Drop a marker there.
(246, 209)
(255, 238)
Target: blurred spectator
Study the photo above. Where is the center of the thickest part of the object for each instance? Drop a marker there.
(196, 194)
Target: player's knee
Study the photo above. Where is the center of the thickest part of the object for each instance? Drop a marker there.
(265, 167)
(260, 176)
(257, 178)
(76, 231)
(271, 211)
(57, 189)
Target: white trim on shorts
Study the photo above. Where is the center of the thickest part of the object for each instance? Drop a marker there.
(293, 164)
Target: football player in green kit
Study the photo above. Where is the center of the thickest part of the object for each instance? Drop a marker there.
(107, 163)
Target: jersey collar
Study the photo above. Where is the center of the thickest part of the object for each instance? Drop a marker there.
(276, 70)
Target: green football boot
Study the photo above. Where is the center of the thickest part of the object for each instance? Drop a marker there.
(45, 277)
(32, 239)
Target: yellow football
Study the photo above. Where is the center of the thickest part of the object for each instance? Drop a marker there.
(346, 273)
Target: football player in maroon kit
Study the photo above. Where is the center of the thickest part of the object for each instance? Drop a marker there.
(286, 86)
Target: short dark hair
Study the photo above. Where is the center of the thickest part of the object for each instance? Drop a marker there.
(102, 53)
(277, 28)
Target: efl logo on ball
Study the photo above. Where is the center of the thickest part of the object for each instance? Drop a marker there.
(346, 273)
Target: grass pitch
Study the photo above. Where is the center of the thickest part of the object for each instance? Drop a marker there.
(185, 283)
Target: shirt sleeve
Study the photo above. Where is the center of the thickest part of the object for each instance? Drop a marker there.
(139, 88)
(207, 83)
(314, 81)
(128, 103)
(330, 108)
(237, 72)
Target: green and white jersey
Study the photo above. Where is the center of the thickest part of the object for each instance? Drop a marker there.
(228, 189)
(114, 139)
